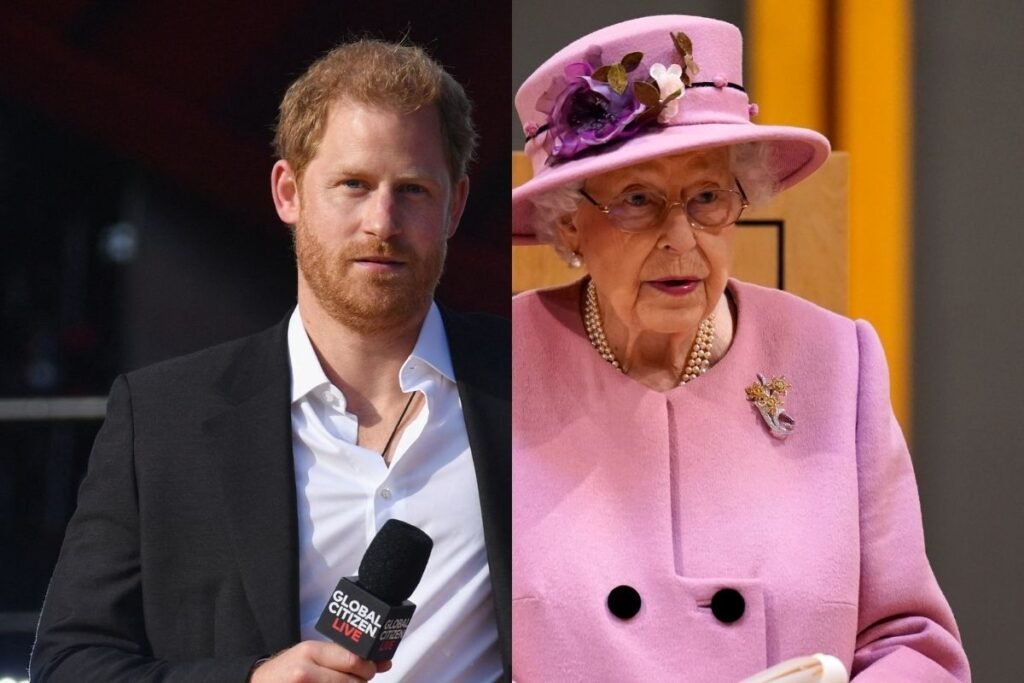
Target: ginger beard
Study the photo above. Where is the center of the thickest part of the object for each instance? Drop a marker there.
(369, 301)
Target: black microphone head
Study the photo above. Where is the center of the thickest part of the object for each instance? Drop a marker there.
(393, 564)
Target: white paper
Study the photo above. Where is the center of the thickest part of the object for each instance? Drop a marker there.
(817, 668)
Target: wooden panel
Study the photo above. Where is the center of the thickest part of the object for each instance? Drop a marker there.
(797, 242)
(873, 122)
(521, 169)
(537, 267)
(814, 219)
(757, 253)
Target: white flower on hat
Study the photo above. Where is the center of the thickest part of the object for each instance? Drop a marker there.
(670, 81)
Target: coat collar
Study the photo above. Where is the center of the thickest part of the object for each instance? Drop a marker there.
(482, 361)
(253, 446)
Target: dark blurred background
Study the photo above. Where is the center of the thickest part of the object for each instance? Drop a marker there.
(138, 224)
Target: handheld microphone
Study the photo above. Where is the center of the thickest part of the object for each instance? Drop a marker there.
(369, 613)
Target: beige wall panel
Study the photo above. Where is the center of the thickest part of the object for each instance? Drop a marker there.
(756, 254)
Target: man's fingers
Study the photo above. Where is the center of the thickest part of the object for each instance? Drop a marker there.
(316, 662)
(335, 657)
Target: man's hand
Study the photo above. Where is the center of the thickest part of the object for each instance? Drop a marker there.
(313, 661)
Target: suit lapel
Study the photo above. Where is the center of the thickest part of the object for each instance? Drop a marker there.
(252, 444)
(251, 441)
(481, 358)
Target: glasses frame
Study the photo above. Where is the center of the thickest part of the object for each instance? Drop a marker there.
(668, 206)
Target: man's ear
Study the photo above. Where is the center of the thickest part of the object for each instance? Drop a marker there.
(284, 186)
(460, 193)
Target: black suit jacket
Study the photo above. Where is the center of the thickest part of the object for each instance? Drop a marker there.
(181, 560)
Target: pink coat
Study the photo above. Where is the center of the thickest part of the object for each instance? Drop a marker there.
(682, 494)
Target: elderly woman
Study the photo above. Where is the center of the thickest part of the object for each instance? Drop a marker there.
(708, 478)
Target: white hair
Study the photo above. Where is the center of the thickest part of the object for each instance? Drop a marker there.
(551, 209)
(752, 163)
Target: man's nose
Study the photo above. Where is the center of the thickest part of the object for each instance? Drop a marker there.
(381, 217)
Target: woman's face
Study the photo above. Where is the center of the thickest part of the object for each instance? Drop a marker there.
(668, 278)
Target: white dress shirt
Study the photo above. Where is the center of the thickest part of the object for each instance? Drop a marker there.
(347, 492)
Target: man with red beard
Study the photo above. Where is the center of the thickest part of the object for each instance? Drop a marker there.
(228, 491)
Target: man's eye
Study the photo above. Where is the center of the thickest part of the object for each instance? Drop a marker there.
(412, 188)
(352, 184)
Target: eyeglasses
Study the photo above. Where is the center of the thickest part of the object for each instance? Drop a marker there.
(641, 209)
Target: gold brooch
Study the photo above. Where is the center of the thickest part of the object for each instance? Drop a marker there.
(767, 396)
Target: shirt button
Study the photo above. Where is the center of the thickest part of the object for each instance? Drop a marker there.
(385, 493)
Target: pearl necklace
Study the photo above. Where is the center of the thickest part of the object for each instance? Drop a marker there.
(700, 354)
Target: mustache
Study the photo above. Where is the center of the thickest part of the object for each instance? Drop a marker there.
(374, 246)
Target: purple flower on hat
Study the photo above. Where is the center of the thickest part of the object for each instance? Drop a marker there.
(586, 112)
(593, 104)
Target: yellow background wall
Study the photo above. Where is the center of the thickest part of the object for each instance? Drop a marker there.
(843, 67)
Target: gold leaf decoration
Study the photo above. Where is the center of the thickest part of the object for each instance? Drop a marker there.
(647, 94)
(650, 114)
(632, 61)
(617, 78)
(768, 397)
(601, 74)
(684, 46)
(756, 391)
(691, 68)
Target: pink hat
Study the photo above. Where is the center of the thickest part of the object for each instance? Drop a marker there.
(642, 89)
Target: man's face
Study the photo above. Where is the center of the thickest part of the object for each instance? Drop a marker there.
(376, 208)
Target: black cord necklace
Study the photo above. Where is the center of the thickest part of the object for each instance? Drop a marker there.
(384, 453)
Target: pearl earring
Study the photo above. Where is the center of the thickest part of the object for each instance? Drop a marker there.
(576, 260)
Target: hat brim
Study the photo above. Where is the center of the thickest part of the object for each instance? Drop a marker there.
(798, 153)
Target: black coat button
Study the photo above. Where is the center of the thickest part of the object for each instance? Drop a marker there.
(728, 605)
(624, 602)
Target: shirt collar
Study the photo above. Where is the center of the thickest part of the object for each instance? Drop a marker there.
(307, 373)
(432, 345)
